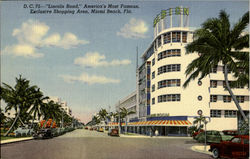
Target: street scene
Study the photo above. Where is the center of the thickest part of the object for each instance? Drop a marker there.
(81, 144)
(124, 79)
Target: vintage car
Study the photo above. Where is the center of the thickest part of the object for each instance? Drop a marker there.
(113, 132)
(237, 147)
(23, 131)
(230, 132)
(100, 130)
(196, 133)
(212, 136)
(86, 128)
(91, 129)
(43, 133)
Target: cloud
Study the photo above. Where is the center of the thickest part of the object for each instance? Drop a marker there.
(94, 59)
(136, 28)
(89, 79)
(33, 35)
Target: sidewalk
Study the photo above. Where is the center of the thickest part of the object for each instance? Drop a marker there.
(160, 137)
(201, 149)
(15, 140)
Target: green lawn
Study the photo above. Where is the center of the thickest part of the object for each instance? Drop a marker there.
(6, 138)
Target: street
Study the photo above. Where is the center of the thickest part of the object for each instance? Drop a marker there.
(85, 144)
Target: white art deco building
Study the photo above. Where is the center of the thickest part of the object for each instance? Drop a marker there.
(162, 74)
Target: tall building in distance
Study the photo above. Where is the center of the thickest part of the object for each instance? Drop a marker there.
(161, 76)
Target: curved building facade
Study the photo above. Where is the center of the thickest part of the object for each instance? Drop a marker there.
(165, 62)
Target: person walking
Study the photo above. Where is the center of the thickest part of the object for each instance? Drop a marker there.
(156, 132)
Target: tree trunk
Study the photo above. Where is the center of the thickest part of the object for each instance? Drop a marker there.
(232, 94)
(125, 124)
(12, 125)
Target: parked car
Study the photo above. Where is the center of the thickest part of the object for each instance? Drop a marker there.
(23, 131)
(114, 132)
(86, 128)
(196, 133)
(212, 136)
(237, 147)
(43, 133)
(230, 132)
(91, 129)
(101, 130)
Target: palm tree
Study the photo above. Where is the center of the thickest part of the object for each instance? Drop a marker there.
(18, 98)
(103, 114)
(37, 105)
(124, 114)
(199, 120)
(219, 43)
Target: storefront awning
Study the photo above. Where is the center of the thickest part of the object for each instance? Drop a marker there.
(161, 123)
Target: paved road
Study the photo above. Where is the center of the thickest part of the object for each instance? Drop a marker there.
(84, 144)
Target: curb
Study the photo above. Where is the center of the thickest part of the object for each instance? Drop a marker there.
(200, 149)
(15, 140)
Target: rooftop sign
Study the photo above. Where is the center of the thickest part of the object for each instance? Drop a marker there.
(170, 12)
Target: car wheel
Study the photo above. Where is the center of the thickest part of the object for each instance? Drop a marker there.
(215, 153)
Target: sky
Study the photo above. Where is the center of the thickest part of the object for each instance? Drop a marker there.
(87, 60)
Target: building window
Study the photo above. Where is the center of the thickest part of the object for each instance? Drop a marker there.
(230, 113)
(153, 101)
(159, 41)
(240, 99)
(167, 38)
(184, 37)
(227, 99)
(153, 75)
(169, 98)
(176, 36)
(213, 98)
(224, 84)
(169, 83)
(169, 68)
(215, 113)
(153, 62)
(153, 88)
(169, 53)
(199, 98)
(214, 70)
(213, 84)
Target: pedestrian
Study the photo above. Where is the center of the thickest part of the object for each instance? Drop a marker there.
(156, 132)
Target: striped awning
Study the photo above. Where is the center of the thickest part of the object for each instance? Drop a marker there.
(161, 123)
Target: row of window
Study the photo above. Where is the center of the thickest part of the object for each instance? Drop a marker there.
(169, 83)
(169, 53)
(215, 83)
(227, 113)
(169, 37)
(169, 98)
(169, 68)
(227, 99)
